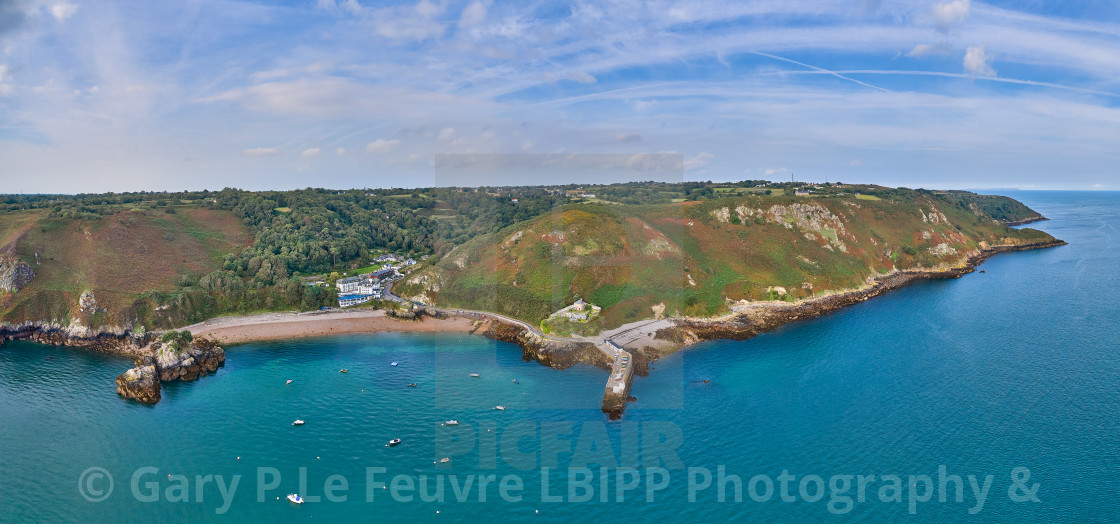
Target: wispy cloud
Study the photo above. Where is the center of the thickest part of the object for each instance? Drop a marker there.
(732, 85)
(262, 151)
(382, 146)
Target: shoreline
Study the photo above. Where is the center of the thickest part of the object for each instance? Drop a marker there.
(756, 319)
(278, 326)
(668, 336)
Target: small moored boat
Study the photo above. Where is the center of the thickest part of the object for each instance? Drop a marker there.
(500, 408)
(476, 375)
(412, 385)
(344, 370)
(288, 382)
(445, 459)
(298, 422)
(393, 442)
(452, 423)
(295, 499)
(394, 364)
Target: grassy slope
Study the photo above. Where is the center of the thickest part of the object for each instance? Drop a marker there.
(695, 258)
(120, 258)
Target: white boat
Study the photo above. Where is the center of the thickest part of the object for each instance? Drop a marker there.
(344, 370)
(452, 423)
(288, 382)
(500, 408)
(394, 364)
(298, 422)
(445, 459)
(295, 499)
(393, 442)
(474, 374)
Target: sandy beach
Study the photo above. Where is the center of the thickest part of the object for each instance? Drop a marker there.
(273, 326)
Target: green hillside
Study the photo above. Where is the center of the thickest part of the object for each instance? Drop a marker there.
(699, 258)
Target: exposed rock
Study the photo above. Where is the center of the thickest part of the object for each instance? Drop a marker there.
(167, 363)
(140, 383)
(14, 274)
(111, 340)
(87, 303)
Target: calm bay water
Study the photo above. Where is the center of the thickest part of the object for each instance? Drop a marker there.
(1015, 367)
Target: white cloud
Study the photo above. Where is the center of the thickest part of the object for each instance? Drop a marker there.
(977, 62)
(312, 152)
(474, 14)
(63, 11)
(582, 77)
(626, 138)
(951, 13)
(698, 161)
(382, 146)
(341, 151)
(446, 134)
(5, 88)
(261, 151)
(527, 145)
(921, 50)
(856, 163)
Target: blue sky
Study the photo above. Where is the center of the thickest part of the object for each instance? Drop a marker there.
(132, 95)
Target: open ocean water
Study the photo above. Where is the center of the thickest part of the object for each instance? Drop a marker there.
(1007, 373)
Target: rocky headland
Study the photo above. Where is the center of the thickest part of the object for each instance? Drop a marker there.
(156, 361)
(169, 362)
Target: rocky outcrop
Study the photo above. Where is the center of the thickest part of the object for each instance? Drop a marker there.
(140, 383)
(558, 354)
(14, 274)
(112, 340)
(167, 363)
(1025, 221)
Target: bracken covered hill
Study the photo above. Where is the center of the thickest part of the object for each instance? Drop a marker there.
(702, 258)
(113, 270)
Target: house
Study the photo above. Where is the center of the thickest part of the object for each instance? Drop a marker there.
(801, 192)
(389, 257)
(382, 275)
(579, 305)
(409, 262)
(352, 300)
(586, 195)
(369, 287)
(347, 285)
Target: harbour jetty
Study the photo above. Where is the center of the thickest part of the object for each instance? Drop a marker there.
(617, 391)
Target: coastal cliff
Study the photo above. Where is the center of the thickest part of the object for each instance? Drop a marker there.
(763, 317)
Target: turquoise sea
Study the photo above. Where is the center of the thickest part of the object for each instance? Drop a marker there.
(1016, 367)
